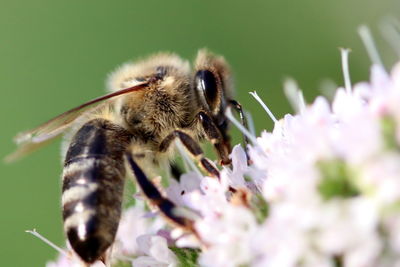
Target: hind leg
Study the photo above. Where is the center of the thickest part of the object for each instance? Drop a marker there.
(151, 192)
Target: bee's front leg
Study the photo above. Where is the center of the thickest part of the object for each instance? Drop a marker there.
(238, 107)
(218, 135)
(214, 135)
(194, 149)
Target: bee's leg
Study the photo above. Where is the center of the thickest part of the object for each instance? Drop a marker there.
(238, 107)
(194, 149)
(214, 135)
(166, 207)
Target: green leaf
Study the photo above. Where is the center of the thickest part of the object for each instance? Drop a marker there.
(336, 180)
(187, 257)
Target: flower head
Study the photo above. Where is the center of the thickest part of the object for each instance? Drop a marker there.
(322, 190)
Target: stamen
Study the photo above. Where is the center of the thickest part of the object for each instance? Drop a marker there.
(48, 242)
(265, 107)
(369, 44)
(391, 33)
(229, 115)
(345, 66)
(302, 102)
(294, 95)
(186, 158)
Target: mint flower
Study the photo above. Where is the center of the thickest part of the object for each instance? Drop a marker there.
(323, 189)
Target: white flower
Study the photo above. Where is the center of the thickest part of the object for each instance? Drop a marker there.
(228, 237)
(188, 182)
(323, 190)
(380, 178)
(235, 177)
(133, 224)
(157, 252)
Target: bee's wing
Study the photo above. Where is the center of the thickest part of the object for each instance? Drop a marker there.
(35, 138)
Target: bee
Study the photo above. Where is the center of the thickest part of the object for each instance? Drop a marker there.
(150, 104)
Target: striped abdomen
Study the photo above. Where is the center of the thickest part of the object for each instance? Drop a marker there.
(93, 182)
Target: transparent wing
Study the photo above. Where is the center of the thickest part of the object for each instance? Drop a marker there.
(35, 138)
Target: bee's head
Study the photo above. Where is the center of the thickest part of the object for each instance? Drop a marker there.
(213, 84)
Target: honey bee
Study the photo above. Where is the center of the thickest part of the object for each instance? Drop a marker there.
(150, 104)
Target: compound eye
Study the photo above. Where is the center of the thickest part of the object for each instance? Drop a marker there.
(206, 84)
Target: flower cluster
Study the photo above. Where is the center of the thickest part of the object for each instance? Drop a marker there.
(323, 189)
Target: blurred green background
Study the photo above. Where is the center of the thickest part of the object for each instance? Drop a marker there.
(56, 54)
